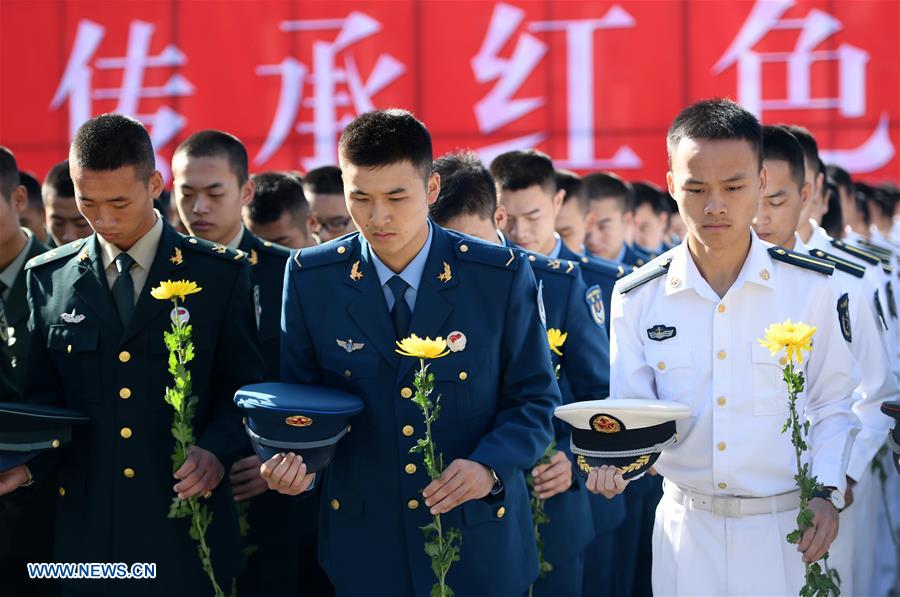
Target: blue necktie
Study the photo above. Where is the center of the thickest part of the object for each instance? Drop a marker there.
(401, 314)
(123, 288)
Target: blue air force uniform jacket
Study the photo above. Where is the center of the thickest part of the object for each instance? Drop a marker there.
(497, 399)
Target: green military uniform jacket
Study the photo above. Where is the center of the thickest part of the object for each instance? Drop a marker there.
(17, 318)
(115, 479)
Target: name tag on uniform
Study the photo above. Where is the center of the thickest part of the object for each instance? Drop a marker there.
(661, 332)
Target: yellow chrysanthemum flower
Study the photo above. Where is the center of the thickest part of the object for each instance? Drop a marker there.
(168, 290)
(423, 348)
(791, 337)
(556, 339)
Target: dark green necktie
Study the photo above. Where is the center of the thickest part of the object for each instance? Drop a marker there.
(123, 288)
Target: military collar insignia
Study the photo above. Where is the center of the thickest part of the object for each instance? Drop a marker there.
(220, 249)
(512, 257)
(72, 317)
(456, 341)
(355, 274)
(84, 255)
(254, 257)
(661, 332)
(446, 275)
(843, 310)
(176, 258)
(349, 345)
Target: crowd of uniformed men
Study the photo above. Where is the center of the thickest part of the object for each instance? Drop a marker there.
(662, 292)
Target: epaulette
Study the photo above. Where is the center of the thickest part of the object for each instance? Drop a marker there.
(549, 264)
(210, 248)
(848, 267)
(805, 261)
(875, 248)
(856, 252)
(482, 252)
(67, 250)
(274, 249)
(608, 268)
(334, 251)
(888, 268)
(651, 271)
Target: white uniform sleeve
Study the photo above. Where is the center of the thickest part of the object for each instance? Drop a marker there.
(831, 377)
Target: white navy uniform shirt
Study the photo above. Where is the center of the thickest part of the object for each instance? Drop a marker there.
(870, 348)
(732, 444)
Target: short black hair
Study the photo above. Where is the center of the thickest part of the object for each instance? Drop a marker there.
(113, 141)
(606, 185)
(324, 180)
(647, 193)
(59, 182)
(385, 137)
(9, 173)
(832, 221)
(522, 168)
(213, 143)
(276, 193)
(807, 142)
(467, 188)
(33, 188)
(841, 178)
(571, 183)
(715, 120)
(781, 145)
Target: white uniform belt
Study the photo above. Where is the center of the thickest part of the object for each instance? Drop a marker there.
(730, 506)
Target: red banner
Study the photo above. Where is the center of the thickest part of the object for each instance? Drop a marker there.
(594, 84)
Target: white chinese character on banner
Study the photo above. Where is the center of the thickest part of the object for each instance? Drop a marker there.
(76, 84)
(814, 28)
(324, 77)
(499, 107)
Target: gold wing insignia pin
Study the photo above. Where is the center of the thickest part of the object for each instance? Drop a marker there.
(176, 259)
(446, 275)
(355, 274)
(254, 258)
(84, 255)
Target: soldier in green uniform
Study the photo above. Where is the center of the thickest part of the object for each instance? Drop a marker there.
(98, 334)
(26, 518)
(211, 184)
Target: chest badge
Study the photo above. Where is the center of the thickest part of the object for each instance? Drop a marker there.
(661, 332)
(180, 315)
(349, 345)
(72, 317)
(456, 341)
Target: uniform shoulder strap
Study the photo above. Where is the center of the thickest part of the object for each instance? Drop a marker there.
(651, 271)
(798, 259)
(866, 256)
(848, 267)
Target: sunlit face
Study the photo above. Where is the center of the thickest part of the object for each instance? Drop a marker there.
(649, 228)
(330, 218)
(474, 225)
(606, 237)
(209, 196)
(33, 219)
(63, 219)
(717, 185)
(781, 205)
(117, 204)
(285, 231)
(389, 206)
(572, 225)
(531, 217)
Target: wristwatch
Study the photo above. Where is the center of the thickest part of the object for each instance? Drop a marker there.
(497, 487)
(831, 494)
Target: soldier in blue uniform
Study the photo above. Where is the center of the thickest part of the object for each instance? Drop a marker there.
(402, 274)
(98, 334)
(468, 203)
(610, 199)
(526, 188)
(211, 184)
